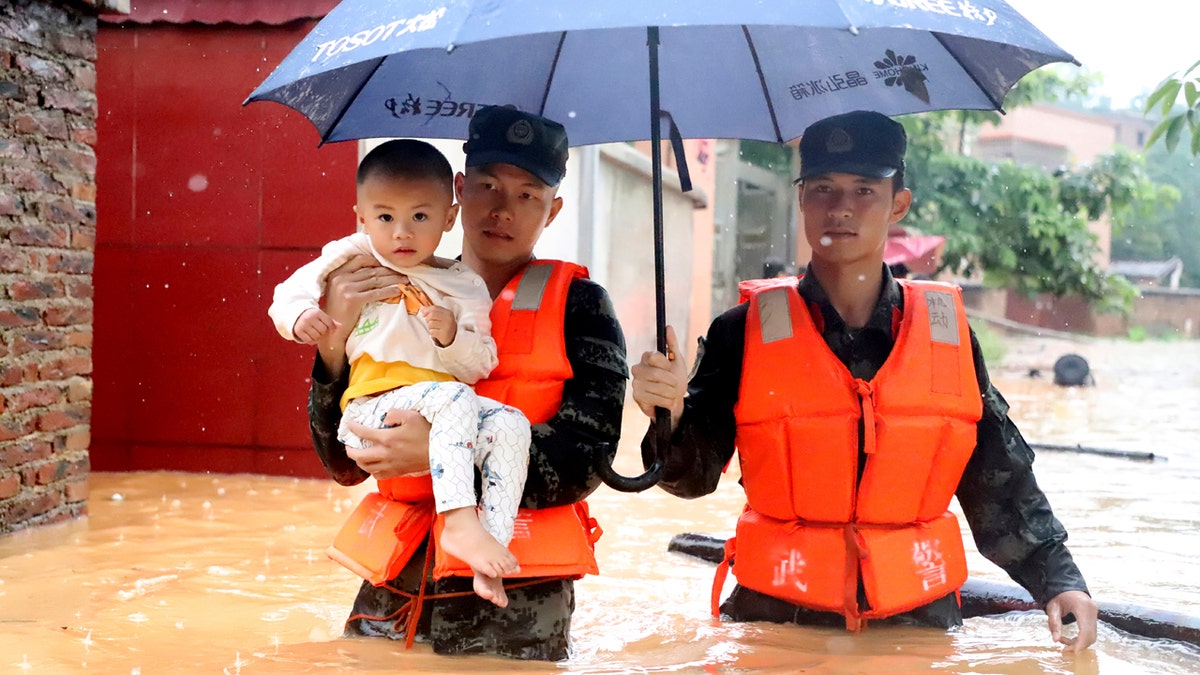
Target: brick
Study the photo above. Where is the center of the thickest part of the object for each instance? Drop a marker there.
(25, 452)
(84, 191)
(61, 369)
(11, 429)
(68, 315)
(84, 75)
(80, 339)
(80, 288)
(85, 135)
(39, 397)
(70, 263)
(63, 419)
(83, 238)
(10, 90)
(77, 441)
(77, 468)
(11, 205)
(42, 289)
(79, 390)
(15, 260)
(13, 149)
(29, 178)
(37, 341)
(77, 43)
(76, 491)
(50, 472)
(41, 69)
(18, 317)
(49, 123)
(39, 235)
(30, 505)
(10, 485)
(76, 101)
(71, 160)
(61, 211)
(3, 404)
(10, 375)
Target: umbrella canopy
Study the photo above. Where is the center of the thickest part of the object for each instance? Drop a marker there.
(752, 70)
(749, 70)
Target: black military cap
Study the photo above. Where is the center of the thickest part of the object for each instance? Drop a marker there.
(505, 135)
(863, 143)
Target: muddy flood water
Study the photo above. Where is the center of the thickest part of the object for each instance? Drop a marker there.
(191, 573)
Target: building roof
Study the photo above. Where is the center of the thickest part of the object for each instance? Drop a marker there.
(241, 12)
(1145, 269)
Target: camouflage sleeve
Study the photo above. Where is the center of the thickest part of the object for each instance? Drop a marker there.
(1008, 513)
(324, 414)
(564, 450)
(702, 443)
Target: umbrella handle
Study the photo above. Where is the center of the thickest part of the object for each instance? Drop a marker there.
(621, 483)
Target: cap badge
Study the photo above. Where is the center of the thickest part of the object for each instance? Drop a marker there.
(839, 141)
(521, 133)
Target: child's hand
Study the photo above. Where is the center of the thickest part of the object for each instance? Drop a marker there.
(312, 325)
(441, 324)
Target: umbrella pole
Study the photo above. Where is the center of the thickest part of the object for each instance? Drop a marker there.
(662, 416)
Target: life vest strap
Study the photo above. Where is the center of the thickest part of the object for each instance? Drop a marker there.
(854, 622)
(721, 575)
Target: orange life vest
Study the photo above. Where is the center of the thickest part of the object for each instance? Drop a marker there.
(527, 324)
(811, 529)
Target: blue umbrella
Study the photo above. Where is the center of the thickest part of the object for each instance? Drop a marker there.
(747, 69)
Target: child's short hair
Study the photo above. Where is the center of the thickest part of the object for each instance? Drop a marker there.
(406, 158)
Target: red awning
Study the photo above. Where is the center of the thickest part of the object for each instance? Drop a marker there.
(921, 255)
(240, 12)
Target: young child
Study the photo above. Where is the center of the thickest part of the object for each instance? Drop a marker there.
(422, 350)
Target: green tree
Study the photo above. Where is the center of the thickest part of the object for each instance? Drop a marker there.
(1175, 118)
(1021, 226)
(1166, 232)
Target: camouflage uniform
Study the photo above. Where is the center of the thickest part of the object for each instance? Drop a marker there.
(1009, 515)
(537, 621)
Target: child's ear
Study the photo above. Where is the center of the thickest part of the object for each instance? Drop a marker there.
(358, 216)
(451, 216)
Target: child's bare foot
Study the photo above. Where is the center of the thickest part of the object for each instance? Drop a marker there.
(491, 588)
(464, 538)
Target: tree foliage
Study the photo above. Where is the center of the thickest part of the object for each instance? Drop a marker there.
(1176, 119)
(1166, 232)
(1022, 226)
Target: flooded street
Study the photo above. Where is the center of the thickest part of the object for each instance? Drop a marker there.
(188, 573)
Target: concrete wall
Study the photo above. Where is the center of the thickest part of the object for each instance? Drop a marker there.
(47, 246)
(624, 245)
(1161, 313)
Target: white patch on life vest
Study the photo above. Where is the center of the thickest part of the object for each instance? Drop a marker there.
(943, 318)
(788, 571)
(368, 524)
(931, 565)
(521, 525)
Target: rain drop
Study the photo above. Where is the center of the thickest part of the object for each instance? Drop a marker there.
(862, 277)
(198, 183)
(826, 240)
(571, 115)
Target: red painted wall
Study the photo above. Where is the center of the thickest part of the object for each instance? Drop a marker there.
(203, 206)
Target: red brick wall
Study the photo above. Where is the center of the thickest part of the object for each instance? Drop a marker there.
(47, 244)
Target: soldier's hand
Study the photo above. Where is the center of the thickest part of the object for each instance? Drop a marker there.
(1084, 608)
(660, 381)
(400, 449)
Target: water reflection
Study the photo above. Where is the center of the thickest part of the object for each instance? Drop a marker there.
(226, 574)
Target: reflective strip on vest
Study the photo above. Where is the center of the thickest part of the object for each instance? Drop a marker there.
(532, 287)
(774, 315)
